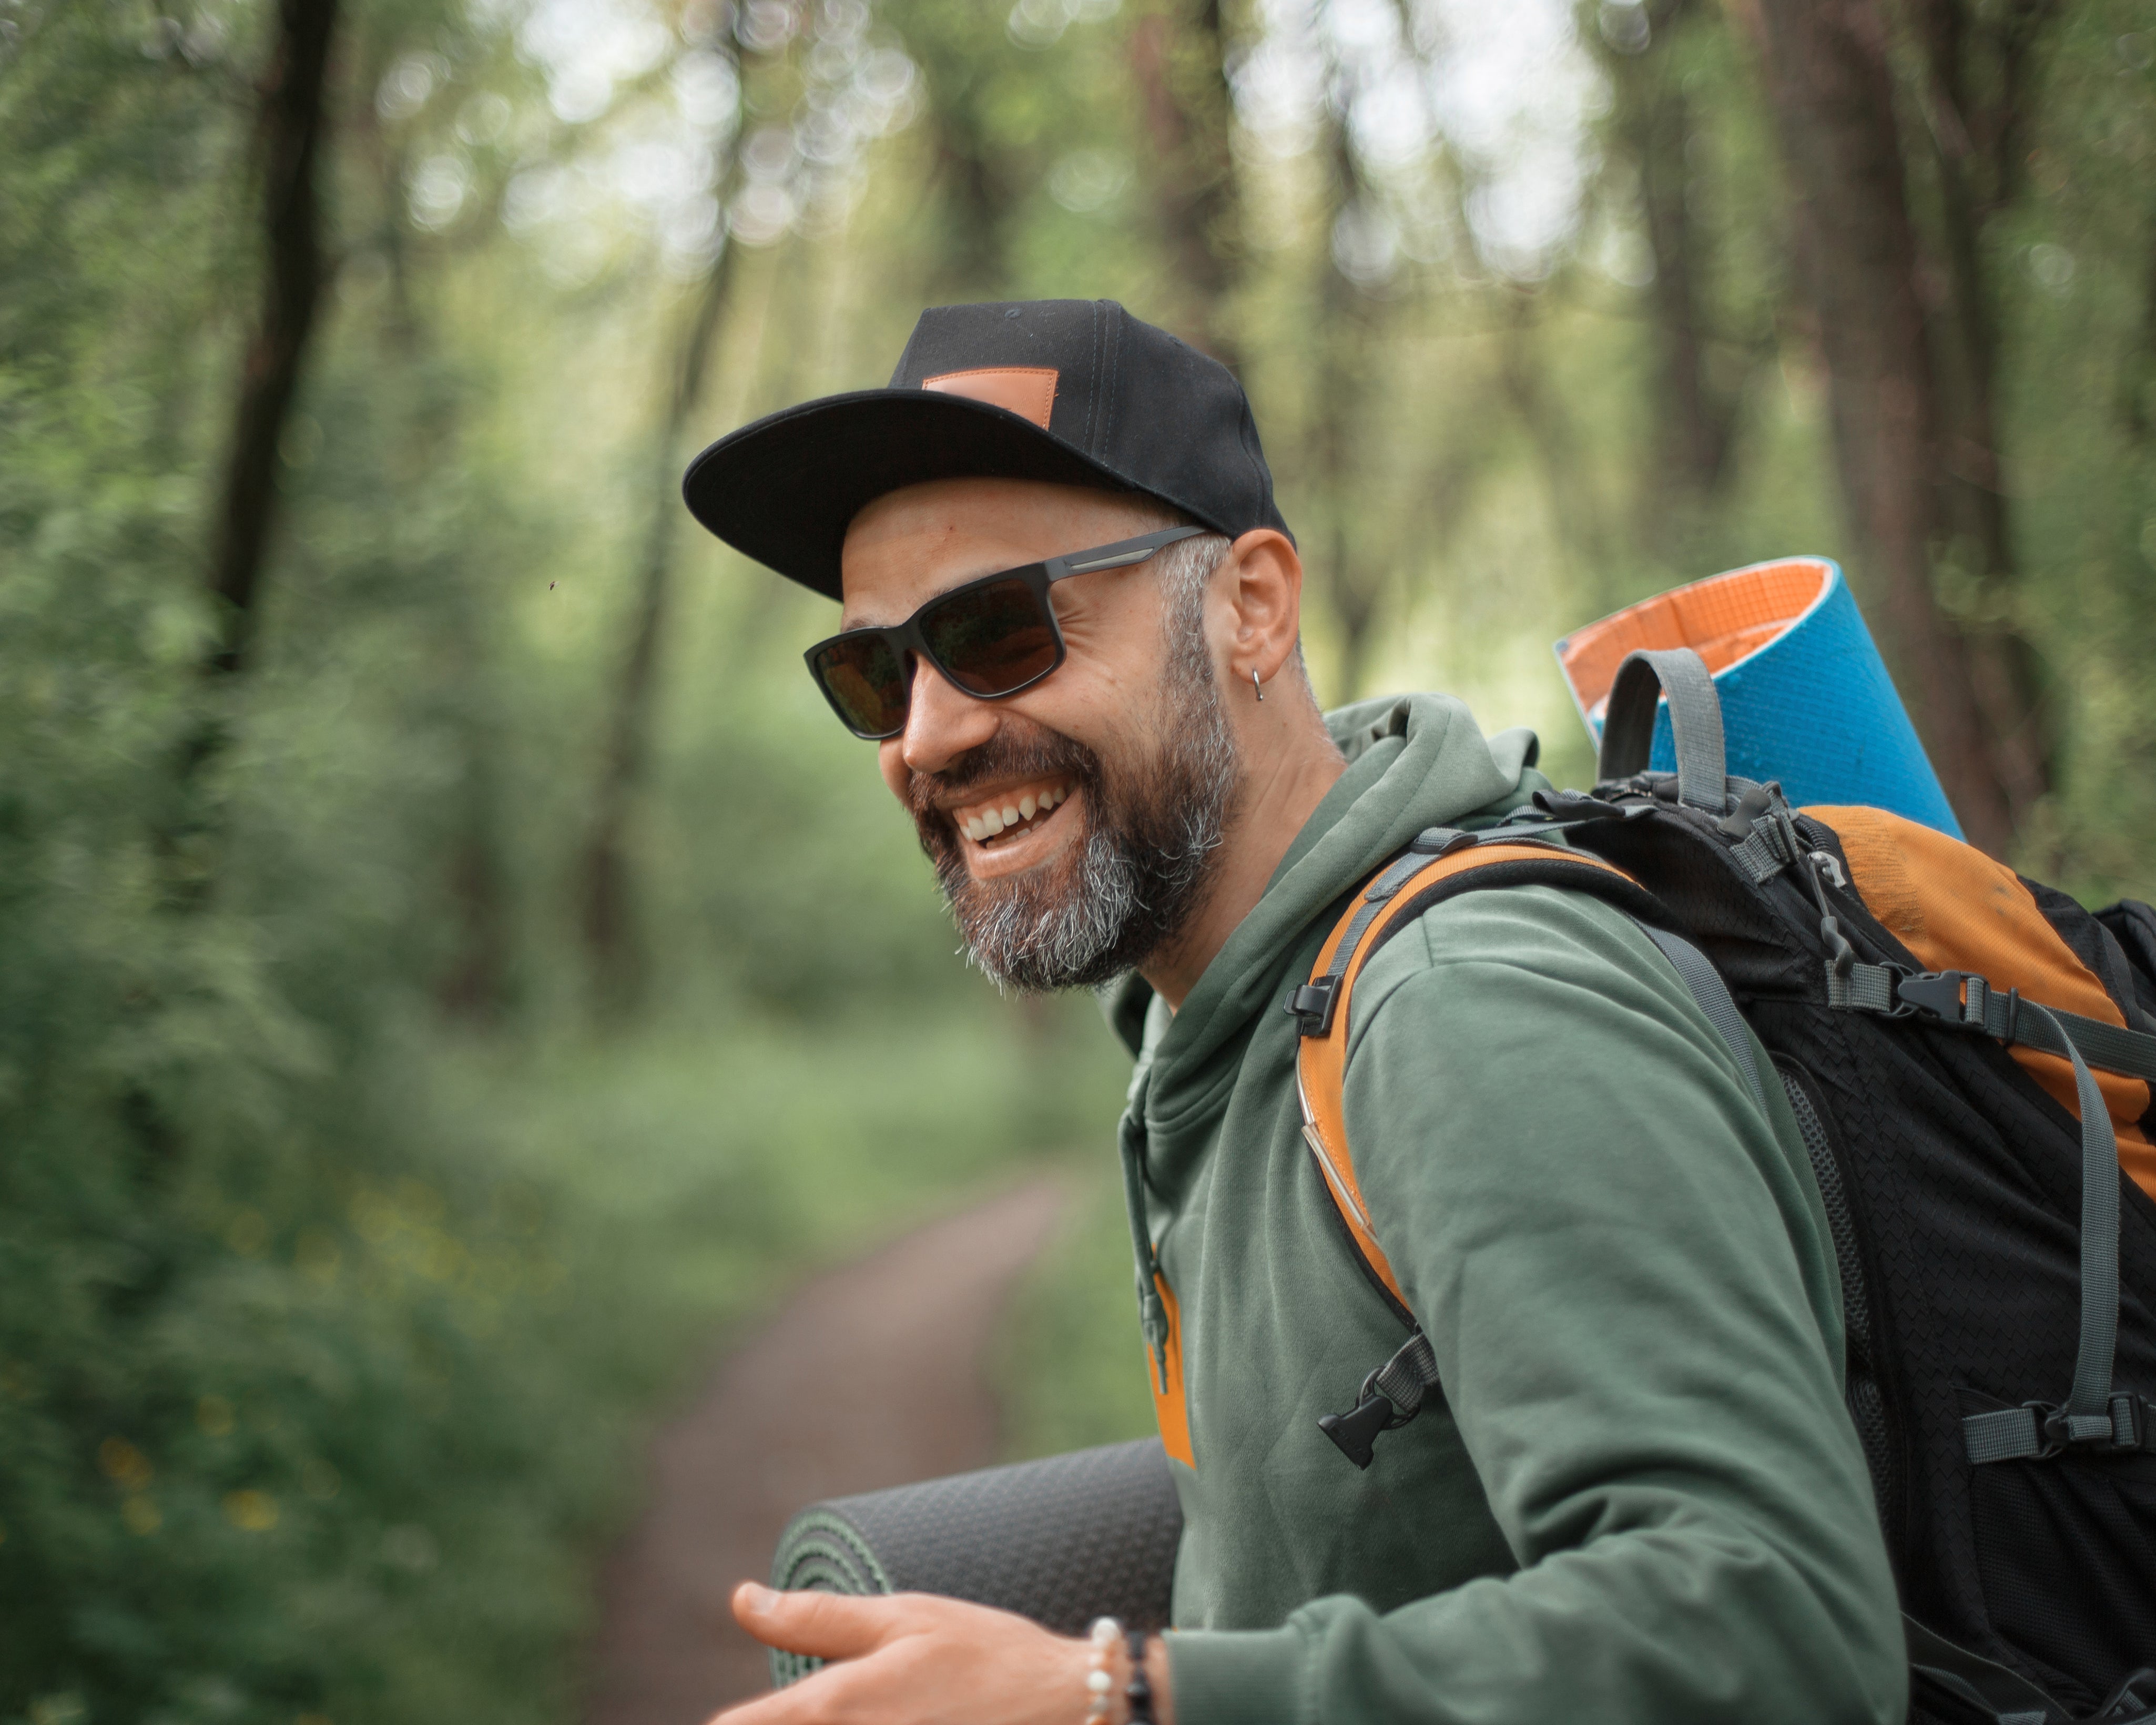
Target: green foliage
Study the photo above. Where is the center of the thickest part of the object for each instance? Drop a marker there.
(339, 1271)
(2077, 263)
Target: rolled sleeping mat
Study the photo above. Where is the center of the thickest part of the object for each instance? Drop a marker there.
(1805, 696)
(1063, 1541)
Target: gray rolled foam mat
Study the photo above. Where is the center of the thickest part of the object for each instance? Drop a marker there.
(1064, 1540)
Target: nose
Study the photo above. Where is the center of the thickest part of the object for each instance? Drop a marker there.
(942, 724)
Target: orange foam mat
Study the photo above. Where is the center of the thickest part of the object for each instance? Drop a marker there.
(1722, 619)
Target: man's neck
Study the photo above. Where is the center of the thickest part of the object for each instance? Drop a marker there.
(1293, 762)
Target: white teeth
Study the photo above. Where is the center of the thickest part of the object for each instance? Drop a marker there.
(989, 822)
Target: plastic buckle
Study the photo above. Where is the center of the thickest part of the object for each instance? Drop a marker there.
(1355, 1431)
(1938, 994)
(2124, 1410)
(1311, 1006)
(2057, 1429)
(1738, 825)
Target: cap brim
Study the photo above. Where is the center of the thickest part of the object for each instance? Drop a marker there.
(783, 489)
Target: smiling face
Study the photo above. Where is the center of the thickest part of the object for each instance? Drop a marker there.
(1071, 824)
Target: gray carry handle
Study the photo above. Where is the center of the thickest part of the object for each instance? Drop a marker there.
(1628, 724)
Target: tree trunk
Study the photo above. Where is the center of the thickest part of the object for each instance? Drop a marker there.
(612, 946)
(290, 123)
(1833, 94)
(1342, 336)
(1978, 72)
(1654, 124)
(1179, 66)
(977, 260)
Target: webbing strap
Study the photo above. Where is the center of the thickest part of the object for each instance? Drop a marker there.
(1404, 1378)
(2088, 1407)
(1860, 988)
(2003, 1435)
(2132, 1052)
(2093, 1413)
(1706, 987)
(1648, 675)
(1765, 851)
(1967, 1001)
(2019, 1433)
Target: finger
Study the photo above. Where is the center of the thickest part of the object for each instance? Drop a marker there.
(816, 1699)
(826, 1625)
(791, 1706)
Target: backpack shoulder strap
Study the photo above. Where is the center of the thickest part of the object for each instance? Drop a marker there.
(1438, 864)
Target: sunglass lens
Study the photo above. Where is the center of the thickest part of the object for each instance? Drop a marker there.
(866, 679)
(992, 638)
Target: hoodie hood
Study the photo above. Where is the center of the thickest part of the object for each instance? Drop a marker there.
(1413, 760)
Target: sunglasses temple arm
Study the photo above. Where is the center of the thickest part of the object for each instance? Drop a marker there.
(1118, 557)
(1058, 567)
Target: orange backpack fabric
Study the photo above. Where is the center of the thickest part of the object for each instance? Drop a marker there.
(1956, 909)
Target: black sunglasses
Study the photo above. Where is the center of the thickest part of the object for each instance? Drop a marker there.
(990, 638)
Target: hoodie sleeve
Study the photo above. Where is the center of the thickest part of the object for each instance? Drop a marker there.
(1622, 1266)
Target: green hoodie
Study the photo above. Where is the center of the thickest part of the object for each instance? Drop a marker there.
(1641, 1499)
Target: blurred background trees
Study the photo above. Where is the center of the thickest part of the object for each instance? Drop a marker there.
(452, 961)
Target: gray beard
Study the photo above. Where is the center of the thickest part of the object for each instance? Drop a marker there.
(1143, 868)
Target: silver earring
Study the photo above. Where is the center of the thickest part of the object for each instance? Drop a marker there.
(1260, 693)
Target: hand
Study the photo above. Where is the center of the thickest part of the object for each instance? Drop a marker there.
(917, 1659)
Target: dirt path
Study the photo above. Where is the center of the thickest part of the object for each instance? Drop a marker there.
(869, 1377)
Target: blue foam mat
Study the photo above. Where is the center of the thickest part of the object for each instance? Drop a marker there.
(1815, 709)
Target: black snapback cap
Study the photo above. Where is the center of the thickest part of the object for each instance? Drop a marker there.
(1076, 391)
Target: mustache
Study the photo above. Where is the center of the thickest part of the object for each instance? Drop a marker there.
(1036, 752)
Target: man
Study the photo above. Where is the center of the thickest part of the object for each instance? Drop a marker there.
(1640, 1501)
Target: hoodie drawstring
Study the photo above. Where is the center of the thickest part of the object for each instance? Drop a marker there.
(1152, 1315)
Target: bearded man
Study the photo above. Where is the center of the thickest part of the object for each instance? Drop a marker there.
(1071, 624)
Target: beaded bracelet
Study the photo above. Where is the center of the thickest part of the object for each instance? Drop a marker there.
(1139, 1694)
(1106, 1633)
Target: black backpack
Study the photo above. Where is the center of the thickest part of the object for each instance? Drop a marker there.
(1930, 1016)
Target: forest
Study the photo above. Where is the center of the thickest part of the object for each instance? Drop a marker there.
(452, 968)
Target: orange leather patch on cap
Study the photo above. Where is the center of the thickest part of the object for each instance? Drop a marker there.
(1027, 391)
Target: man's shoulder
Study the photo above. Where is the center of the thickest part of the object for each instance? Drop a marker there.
(1509, 990)
(1465, 945)
(1549, 1003)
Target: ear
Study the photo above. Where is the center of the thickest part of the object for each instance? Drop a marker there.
(1262, 578)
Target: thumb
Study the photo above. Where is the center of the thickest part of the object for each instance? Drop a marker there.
(824, 1625)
